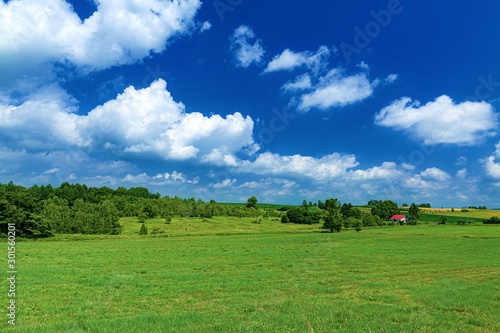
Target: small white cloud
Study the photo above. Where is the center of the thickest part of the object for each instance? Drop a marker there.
(363, 65)
(142, 178)
(408, 166)
(244, 51)
(289, 60)
(51, 171)
(391, 78)
(435, 174)
(462, 173)
(441, 121)
(302, 82)
(388, 170)
(205, 26)
(225, 183)
(251, 185)
(335, 90)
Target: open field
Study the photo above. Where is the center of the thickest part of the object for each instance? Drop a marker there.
(471, 216)
(233, 275)
(472, 213)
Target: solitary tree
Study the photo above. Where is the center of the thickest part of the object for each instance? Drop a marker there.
(414, 212)
(385, 209)
(333, 221)
(252, 202)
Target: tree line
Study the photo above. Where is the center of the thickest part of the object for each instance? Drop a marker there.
(337, 216)
(42, 211)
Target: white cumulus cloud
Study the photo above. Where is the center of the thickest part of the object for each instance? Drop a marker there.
(326, 167)
(336, 89)
(37, 32)
(225, 183)
(244, 51)
(441, 121)
(435, 174)
(491, 164)
(140, 121)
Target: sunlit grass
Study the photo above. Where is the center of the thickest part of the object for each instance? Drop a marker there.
(232, 275)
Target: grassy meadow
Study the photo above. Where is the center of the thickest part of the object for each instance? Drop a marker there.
(245, 275)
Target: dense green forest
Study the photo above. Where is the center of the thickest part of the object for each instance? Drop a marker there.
(42, 211)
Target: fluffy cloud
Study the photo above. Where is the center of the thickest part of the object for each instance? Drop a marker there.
(326, 167)
(150, 121)
(491, 165)
(225, 183)
(302, 82)
(289, 60)
(435, 174)
(335, 89)
(46, 121)
(387, 171)
(244, 51)
(37, 32)
(137, 121)
(441, 121)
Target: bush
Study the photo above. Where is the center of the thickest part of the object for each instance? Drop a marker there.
(155, 231)
(368, 220)
(144, 230)
(492, 220)
(302, 215)
(284, 219)
(357, 225)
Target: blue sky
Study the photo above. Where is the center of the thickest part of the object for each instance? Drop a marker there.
(284, 100)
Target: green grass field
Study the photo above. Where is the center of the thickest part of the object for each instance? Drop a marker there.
(234, 275)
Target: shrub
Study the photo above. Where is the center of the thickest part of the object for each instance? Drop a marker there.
(357, 225)
(284, 219)
(302, 215)
(492, 220)
(156, 230)
(144, 229)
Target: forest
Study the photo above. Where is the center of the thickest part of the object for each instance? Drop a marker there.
(42, 211)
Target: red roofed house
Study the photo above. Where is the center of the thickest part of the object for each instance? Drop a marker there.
(399, 218)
